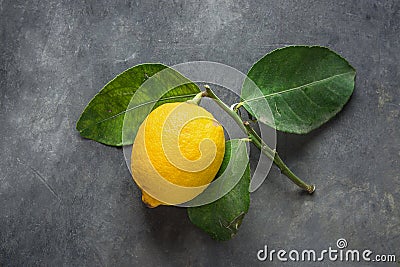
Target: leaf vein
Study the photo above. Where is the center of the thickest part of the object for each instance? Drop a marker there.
(290, 108)
(311, 101)
(299, 87)
(135, 107)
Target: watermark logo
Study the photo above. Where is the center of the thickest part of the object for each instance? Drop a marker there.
(339, 253)
(341, 243)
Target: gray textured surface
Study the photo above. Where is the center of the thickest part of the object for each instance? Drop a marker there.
(69, 201)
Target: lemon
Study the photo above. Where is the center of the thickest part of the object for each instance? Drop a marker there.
(176, 153)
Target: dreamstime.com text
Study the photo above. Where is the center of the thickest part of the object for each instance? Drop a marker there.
(340, 253)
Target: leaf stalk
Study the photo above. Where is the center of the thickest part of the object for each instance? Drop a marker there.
(257, 141)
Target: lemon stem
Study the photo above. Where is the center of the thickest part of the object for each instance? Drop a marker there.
(196, 100)
(274, 156)
(209, 93)
(258, 142)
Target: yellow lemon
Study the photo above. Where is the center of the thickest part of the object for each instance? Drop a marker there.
(176, 153)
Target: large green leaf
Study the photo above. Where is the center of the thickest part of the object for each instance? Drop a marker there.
(222, 218)
(304, 86)
(103, 118)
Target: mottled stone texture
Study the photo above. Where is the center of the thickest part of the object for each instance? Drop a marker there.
(66, 201)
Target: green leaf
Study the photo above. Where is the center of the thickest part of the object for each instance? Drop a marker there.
(103, 118)
(222, 218)
(305, 86)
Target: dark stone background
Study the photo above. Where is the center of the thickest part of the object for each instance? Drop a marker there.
(66, 201)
